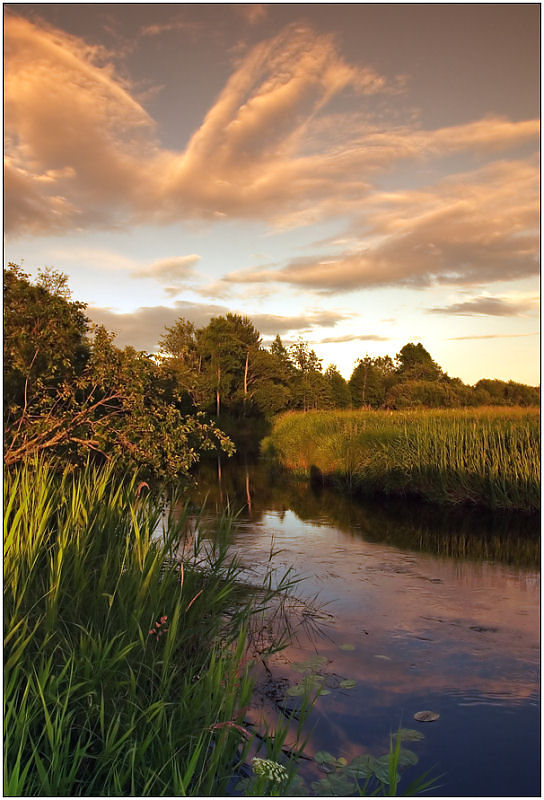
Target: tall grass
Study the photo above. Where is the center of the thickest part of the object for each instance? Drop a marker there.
(488, 456)
(125, 674)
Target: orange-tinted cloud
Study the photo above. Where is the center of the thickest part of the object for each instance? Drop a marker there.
(82, 151)
(490, 306)
(480, 226)
(176, 270)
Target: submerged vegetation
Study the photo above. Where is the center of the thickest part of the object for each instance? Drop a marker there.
(488, 456)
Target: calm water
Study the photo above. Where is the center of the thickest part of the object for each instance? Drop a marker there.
(423, 609)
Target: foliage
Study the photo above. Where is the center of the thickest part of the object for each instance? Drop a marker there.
(71, 394)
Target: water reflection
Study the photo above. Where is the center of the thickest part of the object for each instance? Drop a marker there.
(426, 609)
(255, 489)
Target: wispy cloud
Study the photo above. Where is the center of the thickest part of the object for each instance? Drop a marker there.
(489, 306)
(83, 152)
(370, 337)
(253, 13)
(144, 327)
(174, 271)
(493, 336)
(479, 226)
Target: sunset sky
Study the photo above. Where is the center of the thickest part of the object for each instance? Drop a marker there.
(361, 175)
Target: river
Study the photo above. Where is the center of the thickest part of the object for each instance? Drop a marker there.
(418, 609)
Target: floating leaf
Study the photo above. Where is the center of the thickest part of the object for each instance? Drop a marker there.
(426, 716)
(341, 762)
(297, 690)
(325, 691)
(347, 647)
(361, 767)
(407, 758)
(335, 785)
(384, 658)
(348, 683)
(381, 771)
(409, 735)
(314, 663)
(324, 757)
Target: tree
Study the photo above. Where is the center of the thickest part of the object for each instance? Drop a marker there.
(73, 397)
(415, 363)
(227, 346)
(45, 341)
(370, 381)
(338, 387)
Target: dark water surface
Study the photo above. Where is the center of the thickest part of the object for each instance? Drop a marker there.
(424, 609)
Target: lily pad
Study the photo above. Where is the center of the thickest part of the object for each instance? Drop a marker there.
(348, 683)
(409, 735)
(297, 690)
(325, 691)
(426, 716)
(312, 664)
(335, 785)
(407, 758)
(361, 767)
(347, 647)
(324, 757)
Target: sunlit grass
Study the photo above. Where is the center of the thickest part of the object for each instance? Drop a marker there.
(489, 456)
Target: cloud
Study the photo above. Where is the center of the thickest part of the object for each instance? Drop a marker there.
(253, 13)
(493, 336)
(370, 337)
(475, 227)
(83, 152)
(144, 327)
(489, 306)
(174, 270)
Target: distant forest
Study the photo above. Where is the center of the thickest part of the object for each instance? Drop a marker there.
(69, 389)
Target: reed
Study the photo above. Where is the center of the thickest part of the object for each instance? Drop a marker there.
(485, 456)
(126, 670)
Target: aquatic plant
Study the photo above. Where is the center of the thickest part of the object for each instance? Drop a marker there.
(127, 672)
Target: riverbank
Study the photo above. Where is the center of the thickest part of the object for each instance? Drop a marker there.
(127, 666)
(487, 457)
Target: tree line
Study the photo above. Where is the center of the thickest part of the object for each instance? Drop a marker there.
(68, 389)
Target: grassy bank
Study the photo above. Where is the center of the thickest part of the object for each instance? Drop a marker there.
(125, 672)
(488, 456)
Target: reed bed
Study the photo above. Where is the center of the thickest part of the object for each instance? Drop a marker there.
(486, 456)
(126, 669)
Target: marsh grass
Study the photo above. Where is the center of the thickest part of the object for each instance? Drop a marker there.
(488, 456)
(126, 671)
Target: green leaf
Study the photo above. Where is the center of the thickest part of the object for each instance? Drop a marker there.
(312, 664)
(347, 647)
(348, 683)
(361, 767)
(334, 785)
(409, 735)
(406, 758)
(324, 757)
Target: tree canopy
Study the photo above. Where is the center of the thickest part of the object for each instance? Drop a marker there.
(69, 389)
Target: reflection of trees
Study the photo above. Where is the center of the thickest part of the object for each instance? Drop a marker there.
(409, 525)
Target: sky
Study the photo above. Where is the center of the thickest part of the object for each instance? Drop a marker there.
(359, 175)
